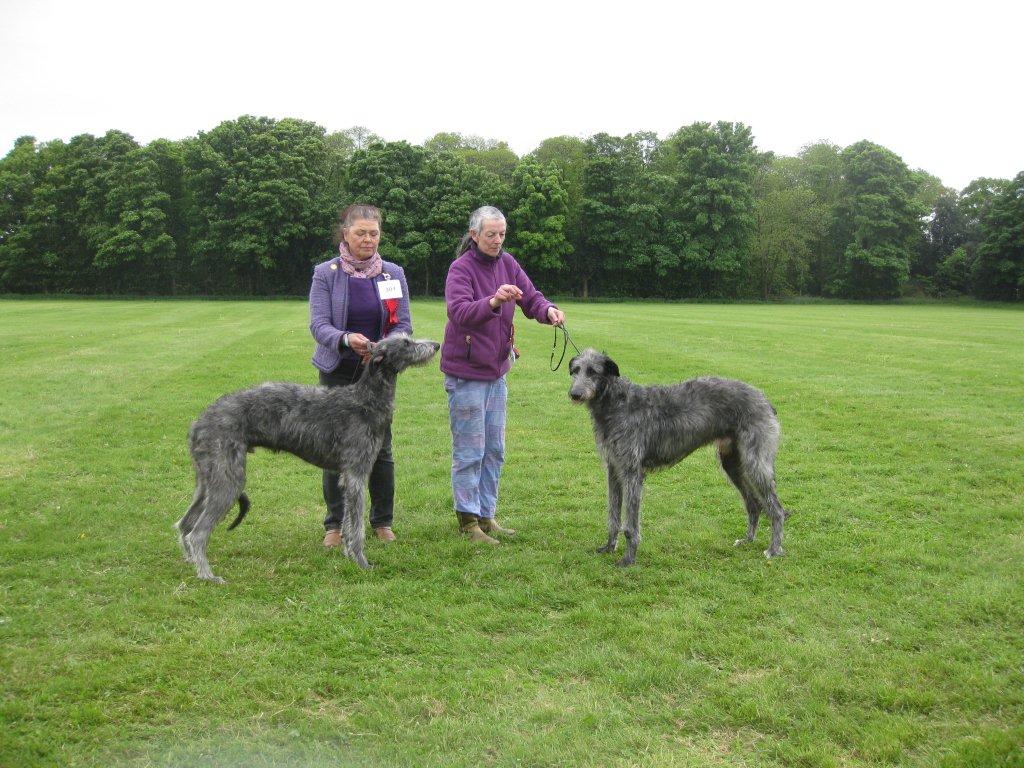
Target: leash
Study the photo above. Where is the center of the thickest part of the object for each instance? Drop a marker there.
(566, 341)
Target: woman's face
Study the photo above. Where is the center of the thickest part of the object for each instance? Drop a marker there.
(490, 237)
(362, 238)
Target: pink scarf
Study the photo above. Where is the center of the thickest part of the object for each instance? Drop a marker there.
(350, 265)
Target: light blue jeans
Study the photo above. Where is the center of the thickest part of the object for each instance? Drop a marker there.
(476, 410)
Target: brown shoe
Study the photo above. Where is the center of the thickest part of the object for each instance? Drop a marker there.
(385, 534)
(491, 525)
(470, 525)
(333, 539)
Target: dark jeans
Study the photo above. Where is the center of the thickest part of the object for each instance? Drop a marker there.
(382, 476)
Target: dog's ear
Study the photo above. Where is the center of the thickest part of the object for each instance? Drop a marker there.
(376, 354)
(610, 368)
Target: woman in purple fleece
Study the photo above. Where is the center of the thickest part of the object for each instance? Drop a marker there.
(356, 298)
(484, 285)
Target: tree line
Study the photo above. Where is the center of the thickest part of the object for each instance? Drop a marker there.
(248, 207)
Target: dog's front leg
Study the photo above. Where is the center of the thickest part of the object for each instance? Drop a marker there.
(632, 491)
(354, 532)
(614, 510)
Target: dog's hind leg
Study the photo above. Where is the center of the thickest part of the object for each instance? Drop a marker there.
(761, 479)
(222, 491)
(188, 520)
(757, 447)
(354, 530)
(218, 502)
(632, 492)
(730, 459)
(614, 509)
(777, 514)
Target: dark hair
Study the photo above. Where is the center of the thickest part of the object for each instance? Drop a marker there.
(350, 214)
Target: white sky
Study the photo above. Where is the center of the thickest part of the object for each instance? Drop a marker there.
(939, 83)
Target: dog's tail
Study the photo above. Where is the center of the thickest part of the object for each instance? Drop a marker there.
(243, 508)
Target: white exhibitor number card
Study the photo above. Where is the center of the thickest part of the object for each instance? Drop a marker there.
(389, 289)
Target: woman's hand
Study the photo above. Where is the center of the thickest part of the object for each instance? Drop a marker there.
(505, 293)
(358, 343)
(555, 316)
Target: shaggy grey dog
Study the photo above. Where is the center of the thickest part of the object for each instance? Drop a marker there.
(339, 428)
(639, 429)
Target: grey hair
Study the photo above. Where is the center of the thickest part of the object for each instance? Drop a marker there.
(476, 220)
(351, 214)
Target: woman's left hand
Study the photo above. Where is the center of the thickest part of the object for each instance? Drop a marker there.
(556, 316)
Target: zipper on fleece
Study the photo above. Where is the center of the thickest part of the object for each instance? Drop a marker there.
(469, 345)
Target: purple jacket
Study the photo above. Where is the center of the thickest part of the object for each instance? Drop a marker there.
(328, 309)
(477, 339)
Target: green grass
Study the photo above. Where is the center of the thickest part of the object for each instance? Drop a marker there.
(890, 634)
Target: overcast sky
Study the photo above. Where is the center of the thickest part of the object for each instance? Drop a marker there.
(938, 83)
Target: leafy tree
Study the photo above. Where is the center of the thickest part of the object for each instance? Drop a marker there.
(820, 169)
(953, 273)
(129, 216)
(445, 142)
(974, 203)
(568, 155)
(928, 188)
(20, 172)
(879, 220)
(999, 271)
(48, 250)
(260, 204)
(620, 224)
(711, 206)
(167, 164)
(945, 232)
(490, 154)
(789, 221)
(360, 137)
(499, 160)
(538, 219)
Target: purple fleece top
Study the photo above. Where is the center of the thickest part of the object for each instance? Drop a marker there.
(477, 339)
(329, 308)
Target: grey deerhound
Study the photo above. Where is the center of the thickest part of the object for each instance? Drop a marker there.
(639, 429)
(339, 428)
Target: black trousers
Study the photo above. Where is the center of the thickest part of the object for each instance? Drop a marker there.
(382, 476)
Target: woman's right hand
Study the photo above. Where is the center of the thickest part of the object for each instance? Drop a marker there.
(505, 293)
(358, 343)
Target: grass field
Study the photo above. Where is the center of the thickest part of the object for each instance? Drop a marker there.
(890, 633)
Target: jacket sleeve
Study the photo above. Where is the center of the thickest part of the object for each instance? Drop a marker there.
(320, 312)
(404, 314)
(463, 309)
(534, 304)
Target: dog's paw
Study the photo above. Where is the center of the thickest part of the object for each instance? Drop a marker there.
(605, 549)
(770, 554)
(625, 562)
(211, 579)
(741, 542)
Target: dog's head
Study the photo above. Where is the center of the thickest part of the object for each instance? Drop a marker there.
(590, 371)
(397, 352)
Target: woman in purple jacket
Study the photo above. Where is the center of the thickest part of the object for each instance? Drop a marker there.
(356, 298)
(483, 287)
